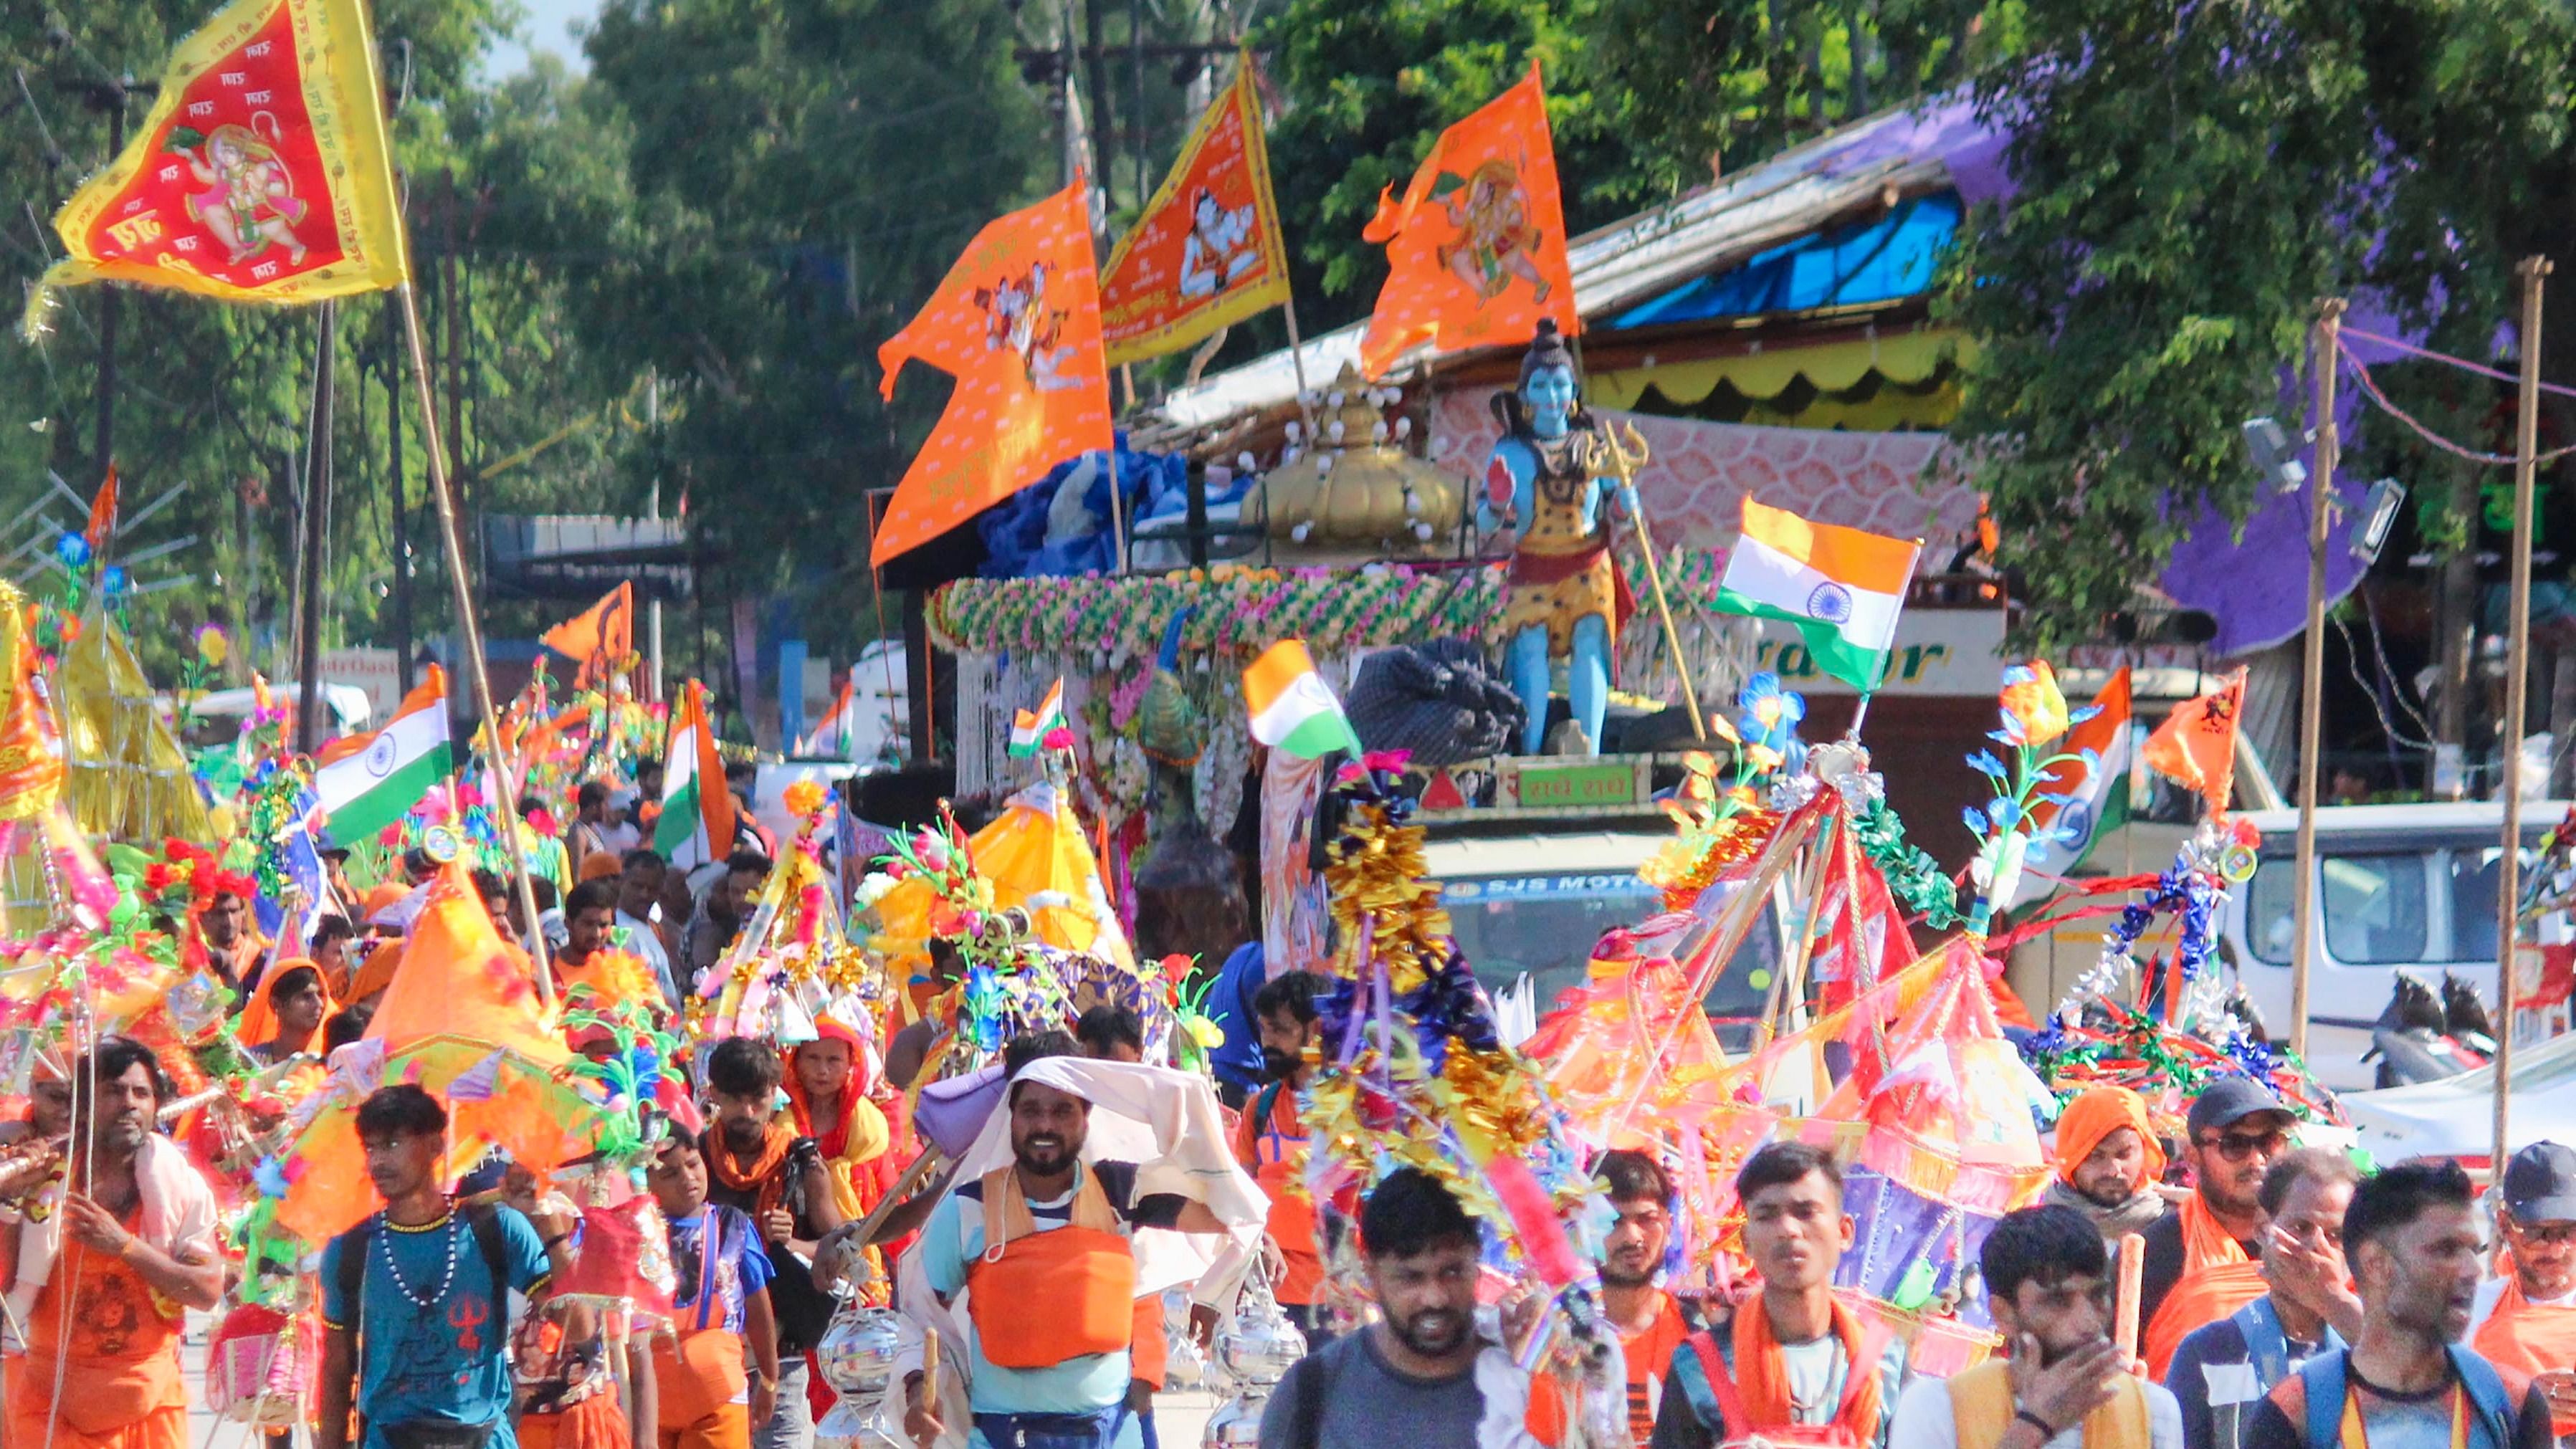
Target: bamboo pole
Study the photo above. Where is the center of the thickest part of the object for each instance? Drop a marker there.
(506, 807)
(2517, 692)
(2313, 677)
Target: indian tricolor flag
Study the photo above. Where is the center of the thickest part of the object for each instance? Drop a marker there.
(2097, 800)
(1029, 727)
(1292, 708)
(367, 782)
(696, 825)
(1843, 588)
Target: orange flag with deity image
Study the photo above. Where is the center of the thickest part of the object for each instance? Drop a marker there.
(2196, 745)
(261, 174)
(1207, 252)
(1475, 250)
(1017, 322)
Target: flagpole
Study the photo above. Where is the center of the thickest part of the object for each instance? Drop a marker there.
(2312, 678)
(2517, 684)
(317, 524)
(506, 808)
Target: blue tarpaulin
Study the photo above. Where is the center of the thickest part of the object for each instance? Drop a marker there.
(1876, 261)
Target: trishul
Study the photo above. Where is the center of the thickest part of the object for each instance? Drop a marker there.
(1622, 459)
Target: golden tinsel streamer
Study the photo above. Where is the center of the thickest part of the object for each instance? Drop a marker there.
(1381, 877)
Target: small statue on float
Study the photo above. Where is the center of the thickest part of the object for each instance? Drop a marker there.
(1550, 480)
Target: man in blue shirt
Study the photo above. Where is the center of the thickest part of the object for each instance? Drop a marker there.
(424, 1287)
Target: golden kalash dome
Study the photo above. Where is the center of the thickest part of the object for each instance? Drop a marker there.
(1353, 483)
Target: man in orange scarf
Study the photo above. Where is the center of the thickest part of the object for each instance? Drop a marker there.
(2201, 1262)
(2109, 1162)
(1651, 1323)
(233, 945)
(826, 1103)
(759, 1166)
(1270, 1142)
(2060, 1384)
(1798, 1366)
(2525, 1320)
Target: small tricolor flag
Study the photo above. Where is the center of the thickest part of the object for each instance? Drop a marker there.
(2098, 797)
(367, 782)
(1030, 727)
(1293, 710)
(696, 825)
(1843, 588)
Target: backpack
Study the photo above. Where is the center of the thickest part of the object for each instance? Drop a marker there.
(2323, 1379)
(482, 1218)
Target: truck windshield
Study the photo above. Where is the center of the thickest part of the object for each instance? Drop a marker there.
(1546, 926)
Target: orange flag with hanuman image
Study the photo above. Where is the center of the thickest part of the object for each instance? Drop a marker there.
(1017, 322)
(1475, 250)
(261, 175)
(2196, 745)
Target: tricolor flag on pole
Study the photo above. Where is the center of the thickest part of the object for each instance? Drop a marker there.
(367, 782)
(1843, 588)
(696, 825)
(1029, 728)
(1292, 708)
(2100, 802)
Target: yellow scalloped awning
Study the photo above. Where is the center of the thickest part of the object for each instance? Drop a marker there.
(1906, 357)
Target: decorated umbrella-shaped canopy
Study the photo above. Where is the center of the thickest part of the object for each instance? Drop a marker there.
(462, 1021)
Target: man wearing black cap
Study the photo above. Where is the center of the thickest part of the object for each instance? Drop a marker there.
(2236, 1129)
(2526, 1319)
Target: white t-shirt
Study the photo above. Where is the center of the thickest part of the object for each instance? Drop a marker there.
(1923, 1420)
(2491, 1291)
(1816, 1371)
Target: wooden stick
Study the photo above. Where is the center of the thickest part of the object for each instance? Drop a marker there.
(2313, 676)
(2517, 685)
(1627, 465)
(505, 809)
(2133, 1267)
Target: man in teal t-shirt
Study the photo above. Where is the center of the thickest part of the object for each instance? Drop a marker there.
(414, 1300)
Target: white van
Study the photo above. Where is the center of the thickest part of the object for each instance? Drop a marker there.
(2399, 887)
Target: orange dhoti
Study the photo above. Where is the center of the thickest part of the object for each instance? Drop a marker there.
(102, 1361)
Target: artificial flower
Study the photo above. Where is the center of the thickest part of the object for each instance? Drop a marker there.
(2034, 711)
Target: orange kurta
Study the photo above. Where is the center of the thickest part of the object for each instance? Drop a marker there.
(100, 1332)
(2530, 1338)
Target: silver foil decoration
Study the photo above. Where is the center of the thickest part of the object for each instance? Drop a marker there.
(857, 1358)
(1255, 1347)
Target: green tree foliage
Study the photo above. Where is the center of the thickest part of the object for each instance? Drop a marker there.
(2191, 180)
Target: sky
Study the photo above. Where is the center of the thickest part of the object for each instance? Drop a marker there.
(548, 28)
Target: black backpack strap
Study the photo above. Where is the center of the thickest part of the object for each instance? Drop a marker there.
(353, 1267)
(485, 1220)
(1313, 1388)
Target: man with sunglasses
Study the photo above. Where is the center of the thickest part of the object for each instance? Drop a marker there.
(2202, 1262)
(2525, 1320)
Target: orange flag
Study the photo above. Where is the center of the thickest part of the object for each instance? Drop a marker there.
(1017, 321)
(605, 630)
(1206, 253)
(1476, 249)
(2196, 745)
(260, 175)
(102, 513)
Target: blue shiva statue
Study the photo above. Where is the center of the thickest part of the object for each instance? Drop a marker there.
(1550, 479)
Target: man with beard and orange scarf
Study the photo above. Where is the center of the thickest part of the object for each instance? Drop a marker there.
(758, 1165)
(2525, 1320)
(2204, 1262)
(2109, 1163)
(1797, 1367)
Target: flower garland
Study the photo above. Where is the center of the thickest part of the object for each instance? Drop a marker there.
(1232, 610)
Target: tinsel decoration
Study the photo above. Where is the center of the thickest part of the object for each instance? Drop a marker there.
(1914, 878)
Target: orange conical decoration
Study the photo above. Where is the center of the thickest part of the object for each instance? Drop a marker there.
(460, 979)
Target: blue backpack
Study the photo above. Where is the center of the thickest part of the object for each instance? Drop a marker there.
(2326, 1386)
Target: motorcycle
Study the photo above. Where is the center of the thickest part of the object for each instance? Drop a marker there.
(2424, 1037)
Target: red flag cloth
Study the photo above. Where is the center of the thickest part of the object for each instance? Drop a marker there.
(102, 512)
(261, 174)
(2196, 745)
(1475, 250)
(1017, 321)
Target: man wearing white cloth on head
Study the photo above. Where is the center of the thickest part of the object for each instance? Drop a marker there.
(1091, 1184)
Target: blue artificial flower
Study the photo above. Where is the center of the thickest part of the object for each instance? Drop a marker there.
(2005, 813)
(1985, 763)
(72, 549)
(113, 579)
(1976, 821)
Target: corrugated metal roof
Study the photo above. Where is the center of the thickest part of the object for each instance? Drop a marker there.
(1904, 152)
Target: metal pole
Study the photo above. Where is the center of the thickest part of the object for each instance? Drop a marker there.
(111, 305)
(470, 632)
(317, 515)
(2517, 687)
(401, 507)
(2312, 680)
